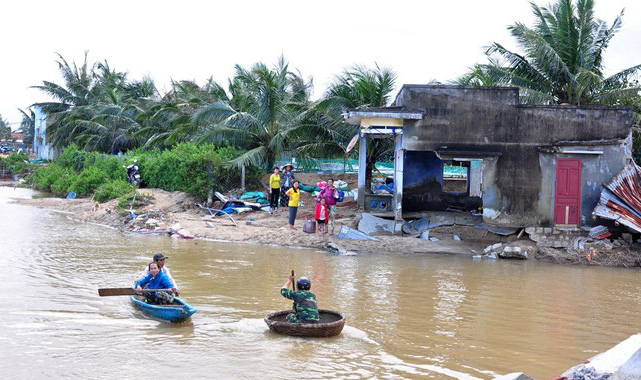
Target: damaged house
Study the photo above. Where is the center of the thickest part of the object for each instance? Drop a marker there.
(523, 165)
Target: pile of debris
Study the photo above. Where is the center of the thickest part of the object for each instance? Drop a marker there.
(520, 249)
(621, 199)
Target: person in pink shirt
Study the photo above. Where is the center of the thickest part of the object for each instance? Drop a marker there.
(330, 194)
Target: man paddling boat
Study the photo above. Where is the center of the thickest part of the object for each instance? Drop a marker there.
(306, 310)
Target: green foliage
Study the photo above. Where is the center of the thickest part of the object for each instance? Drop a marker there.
(112, 189)
(194, 169)
(61, 185)
(561, 58)
(53, 178)
(16, 163)
(76, 159)
(88, 181)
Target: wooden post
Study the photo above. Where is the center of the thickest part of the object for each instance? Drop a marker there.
(399, 157)
(362, 168)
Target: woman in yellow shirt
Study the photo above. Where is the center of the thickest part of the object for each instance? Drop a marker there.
(274, 190)
(294, 199)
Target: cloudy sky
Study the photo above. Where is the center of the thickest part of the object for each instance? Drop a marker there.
(421, 40)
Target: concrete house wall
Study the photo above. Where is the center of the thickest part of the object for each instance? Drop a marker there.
(41, 146)
(518, 144)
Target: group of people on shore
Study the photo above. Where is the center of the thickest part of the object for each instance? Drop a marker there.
(287, 184)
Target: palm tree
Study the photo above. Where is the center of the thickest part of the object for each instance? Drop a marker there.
(169, 121)
(264, 109)
(563, 58)
(28, 125)
(97, 108)
(357, 87)
(5, 129)
(77, 90)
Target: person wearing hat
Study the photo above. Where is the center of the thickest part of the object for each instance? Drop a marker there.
(287, 181)
(159, 258)
(288, 176)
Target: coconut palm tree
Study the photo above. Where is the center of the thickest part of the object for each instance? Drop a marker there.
(261, 113)
(28, 125)
(169, 121)
(562, 59)
(97, 108)
(356, 87)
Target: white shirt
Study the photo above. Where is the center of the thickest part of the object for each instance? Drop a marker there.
(164, 269)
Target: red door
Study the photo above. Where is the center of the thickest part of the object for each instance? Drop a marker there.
(567, 203)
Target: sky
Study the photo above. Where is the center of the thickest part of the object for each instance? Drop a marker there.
(195, 40)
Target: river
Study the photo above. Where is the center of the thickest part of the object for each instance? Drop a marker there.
(432, 316)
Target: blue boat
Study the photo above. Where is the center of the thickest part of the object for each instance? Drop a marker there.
(179, 311)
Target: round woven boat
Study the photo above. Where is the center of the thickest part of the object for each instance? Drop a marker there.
(331, 324)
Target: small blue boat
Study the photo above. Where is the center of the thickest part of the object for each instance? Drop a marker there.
(179, 311)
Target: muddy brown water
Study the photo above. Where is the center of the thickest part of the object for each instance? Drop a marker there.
(430, 316)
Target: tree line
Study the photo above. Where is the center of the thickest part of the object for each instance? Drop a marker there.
(265, 111)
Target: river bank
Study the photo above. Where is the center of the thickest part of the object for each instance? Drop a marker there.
(166, 209)
(170, 208)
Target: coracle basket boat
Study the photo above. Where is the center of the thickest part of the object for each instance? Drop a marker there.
(179, 311)
(331, 324)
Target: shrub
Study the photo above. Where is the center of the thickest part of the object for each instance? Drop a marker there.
(112, 189)
(62, 184)
(88, 181)
(16, 163)
(45, 176)
(194, 169)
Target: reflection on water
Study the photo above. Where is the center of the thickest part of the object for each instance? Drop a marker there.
(407, 317)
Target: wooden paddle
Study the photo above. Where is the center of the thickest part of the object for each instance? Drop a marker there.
(106, 292)
(293, 281)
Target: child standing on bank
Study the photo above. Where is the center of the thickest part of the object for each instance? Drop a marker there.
(274, 190)
(294, 199)
(321, 215)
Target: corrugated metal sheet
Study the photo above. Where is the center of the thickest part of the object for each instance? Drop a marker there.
(621, 199)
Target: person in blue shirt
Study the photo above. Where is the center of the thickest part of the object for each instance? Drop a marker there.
(156, 280)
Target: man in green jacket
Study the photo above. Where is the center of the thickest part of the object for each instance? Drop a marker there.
(305, 307)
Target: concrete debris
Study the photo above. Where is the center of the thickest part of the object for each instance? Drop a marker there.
(425, 235)
(352, 234)
(599, 232)
(209, 224)
(621, 362)
(520, 249)
(491, 256)
(414, 227)
(513, 253)
(579, 243)
(494, 248)
(371, 224)
(435, 239)
(153, 222)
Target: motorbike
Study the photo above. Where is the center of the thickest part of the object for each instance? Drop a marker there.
(133, 174)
